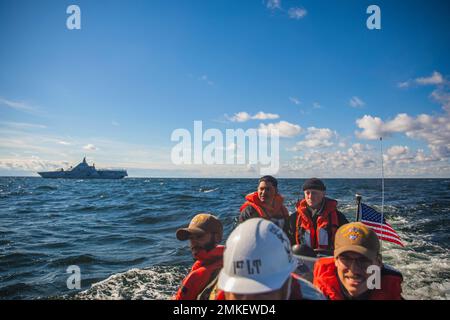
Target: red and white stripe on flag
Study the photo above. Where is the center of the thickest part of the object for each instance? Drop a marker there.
(384, 232)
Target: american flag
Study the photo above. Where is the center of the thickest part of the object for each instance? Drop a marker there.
(384, 231)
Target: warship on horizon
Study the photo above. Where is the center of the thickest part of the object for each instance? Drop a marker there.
(84, 171)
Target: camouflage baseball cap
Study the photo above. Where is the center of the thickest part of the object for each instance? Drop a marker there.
(201, 224)
(356, 237)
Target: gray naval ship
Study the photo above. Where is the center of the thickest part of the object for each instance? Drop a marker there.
(84, 171)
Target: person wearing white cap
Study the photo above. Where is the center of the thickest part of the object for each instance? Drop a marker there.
(258, 265)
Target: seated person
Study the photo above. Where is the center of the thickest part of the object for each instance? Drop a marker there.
(316, 219)
(204, 233)
(258, 265)
(266, 203)
(345, 276)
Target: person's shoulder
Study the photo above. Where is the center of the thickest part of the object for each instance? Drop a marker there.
(341, 217)
(307, 290)
(387, 270)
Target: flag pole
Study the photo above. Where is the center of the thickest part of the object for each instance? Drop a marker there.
(358, 206)
(382, 190)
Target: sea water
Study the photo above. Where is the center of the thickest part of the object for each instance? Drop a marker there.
(121, 233)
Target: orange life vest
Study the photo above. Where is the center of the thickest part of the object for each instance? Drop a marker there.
(326, 280)
(274, 213)
(327, 224)
(202, 273)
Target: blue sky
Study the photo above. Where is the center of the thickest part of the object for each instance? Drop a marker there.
(137, 70)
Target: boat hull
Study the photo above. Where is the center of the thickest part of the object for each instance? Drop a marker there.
(100, 174)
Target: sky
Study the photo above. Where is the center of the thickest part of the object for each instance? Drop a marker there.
(116, 89)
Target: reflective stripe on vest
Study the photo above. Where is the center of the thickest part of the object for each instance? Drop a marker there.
(306, 238)
(323, 237)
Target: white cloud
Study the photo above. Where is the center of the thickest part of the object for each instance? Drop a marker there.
(401, 123)
(435, 78)
(240, 117)
(31, 164)
(297, 13)
(294, 100)
(23, 125)
(312, 143)
(396, 151)
(405, 84)
(320, 133)
(356, 102)
(18, 105)
(334, 163)
(372, 127)
(443, 97)
(245, 116)
(265, 116)
(315, 138)
(115, 123)
(359, 147)
(273, 4)
(90, 147)
(284, 128)
(317, 105)
(433, 129)
(363, 160)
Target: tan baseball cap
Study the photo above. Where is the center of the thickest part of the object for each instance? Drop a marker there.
(201, 224)
(357, 237)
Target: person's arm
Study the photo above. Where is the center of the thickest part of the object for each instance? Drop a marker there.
(341, 218)
(292, 221)
(247, 213)
(191, 286)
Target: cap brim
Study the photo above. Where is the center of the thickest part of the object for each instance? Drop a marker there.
(241, 285)
(184, 233)
(358, 249)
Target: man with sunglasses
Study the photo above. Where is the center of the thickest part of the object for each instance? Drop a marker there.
(314, 223)
(356, 258)
(204, 234)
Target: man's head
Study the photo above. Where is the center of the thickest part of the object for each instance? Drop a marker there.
(204, 233)
(314, 191)
(258, 262)
(356, 248)
(267, 189)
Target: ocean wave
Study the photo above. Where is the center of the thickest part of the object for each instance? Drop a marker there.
(425, 267)
(156, 283)
(15, 290)
(75, 260)
(89, 259)
(45, 188)
(207, 190)
(108, 227)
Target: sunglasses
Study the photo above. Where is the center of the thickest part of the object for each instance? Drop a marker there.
(362, 263)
